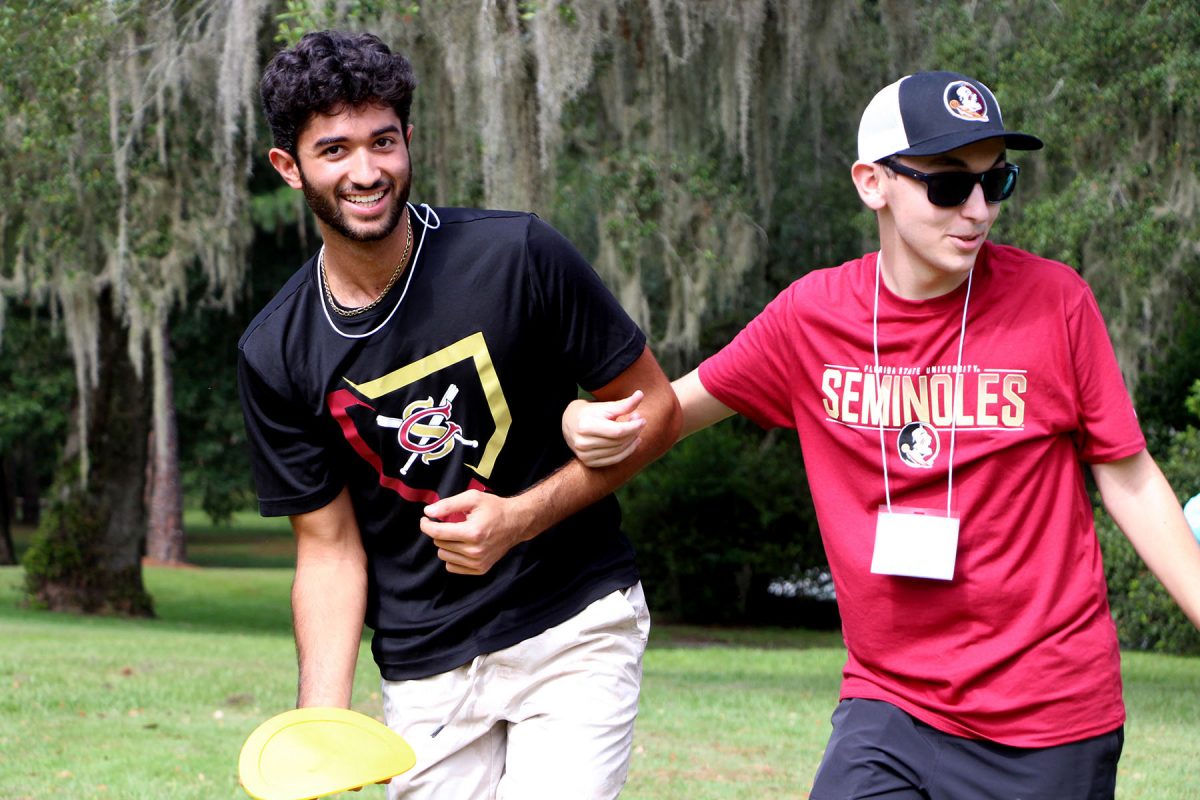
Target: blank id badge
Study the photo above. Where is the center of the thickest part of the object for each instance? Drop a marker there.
(915, 543)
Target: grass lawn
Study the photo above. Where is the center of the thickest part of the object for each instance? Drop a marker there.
(248, 541)
(103, 709)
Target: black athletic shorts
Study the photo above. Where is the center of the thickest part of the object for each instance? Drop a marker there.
(878, 751)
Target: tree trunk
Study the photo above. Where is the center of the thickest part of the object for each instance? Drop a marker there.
(8, 551)
(87, 554)
(165, 541)
(29, 486)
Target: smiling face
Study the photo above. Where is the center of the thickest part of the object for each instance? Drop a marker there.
(354, 170)
(929, 250)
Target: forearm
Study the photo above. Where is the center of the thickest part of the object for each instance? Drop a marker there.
(328, 606)
(329, 600)
(473, 529)
(1141, 502)
(575, 486)
(699, 408)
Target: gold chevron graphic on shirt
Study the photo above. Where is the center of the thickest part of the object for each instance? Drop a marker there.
(472, 347)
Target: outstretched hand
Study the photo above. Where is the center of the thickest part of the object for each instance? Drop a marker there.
(603, 433)
(473, 530)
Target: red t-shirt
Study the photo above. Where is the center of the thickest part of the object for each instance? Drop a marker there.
(1019, 647)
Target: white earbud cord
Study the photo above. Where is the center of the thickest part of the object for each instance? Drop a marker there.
(887, 489)
(412, 268)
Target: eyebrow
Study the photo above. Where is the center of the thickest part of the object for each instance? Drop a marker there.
(325, 141)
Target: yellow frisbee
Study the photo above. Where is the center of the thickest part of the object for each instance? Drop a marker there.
(313, 752)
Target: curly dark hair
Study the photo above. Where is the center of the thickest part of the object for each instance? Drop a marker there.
(327, 72)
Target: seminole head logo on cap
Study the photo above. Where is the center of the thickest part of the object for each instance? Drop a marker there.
(965, 102)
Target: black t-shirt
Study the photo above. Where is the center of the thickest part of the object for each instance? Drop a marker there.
(463, 388)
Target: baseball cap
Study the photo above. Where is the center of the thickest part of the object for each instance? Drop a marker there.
(927, 113)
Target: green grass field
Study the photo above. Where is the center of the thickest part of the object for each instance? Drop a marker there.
(104, 709)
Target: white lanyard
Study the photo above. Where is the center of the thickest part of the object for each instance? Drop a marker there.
(887, 490)
(429, 214)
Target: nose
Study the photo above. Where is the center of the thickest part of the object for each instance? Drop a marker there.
(976, 207)
(364, 173)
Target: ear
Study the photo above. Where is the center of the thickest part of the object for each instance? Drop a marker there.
(287, 167)
(408, 135)
(868, 181)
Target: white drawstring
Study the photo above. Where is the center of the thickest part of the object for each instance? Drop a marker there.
(472, 674)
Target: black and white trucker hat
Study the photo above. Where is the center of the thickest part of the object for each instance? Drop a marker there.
(927, 113)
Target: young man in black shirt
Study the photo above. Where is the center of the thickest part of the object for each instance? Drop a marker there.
(402, 396)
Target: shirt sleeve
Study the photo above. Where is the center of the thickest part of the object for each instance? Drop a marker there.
(593, 335)
(293, 463)
(752, 374)
(1108, 425)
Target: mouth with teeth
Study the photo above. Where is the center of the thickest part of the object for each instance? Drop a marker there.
(365, 200)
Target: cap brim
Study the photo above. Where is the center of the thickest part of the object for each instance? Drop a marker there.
(1013, 140)
(313, 752)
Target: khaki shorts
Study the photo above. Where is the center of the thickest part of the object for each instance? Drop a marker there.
(550, 717)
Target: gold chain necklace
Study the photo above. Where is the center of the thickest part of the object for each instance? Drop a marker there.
(354, 312)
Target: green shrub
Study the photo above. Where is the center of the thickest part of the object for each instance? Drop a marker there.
(717, 519)
(1146, 616)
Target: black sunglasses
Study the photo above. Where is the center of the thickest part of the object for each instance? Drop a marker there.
(950, 189)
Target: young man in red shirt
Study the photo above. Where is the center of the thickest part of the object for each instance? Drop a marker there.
(946, 391)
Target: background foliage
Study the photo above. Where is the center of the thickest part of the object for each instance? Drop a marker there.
(715, 522)
(1147, 618)
(698, 153)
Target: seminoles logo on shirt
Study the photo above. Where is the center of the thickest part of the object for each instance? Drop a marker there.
(398, 434)
(915, 403)
(919, 445)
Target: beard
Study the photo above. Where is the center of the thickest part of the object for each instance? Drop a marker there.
(326, 209)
